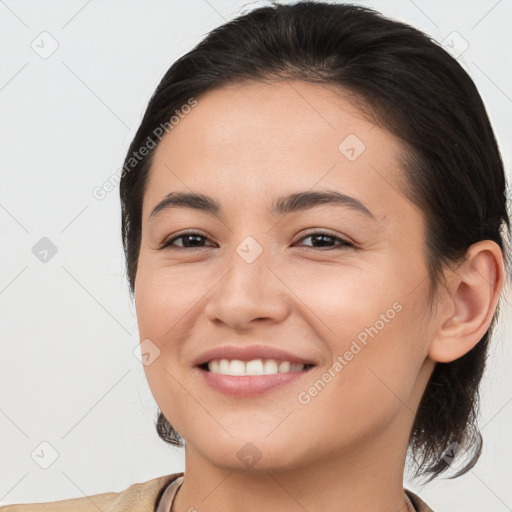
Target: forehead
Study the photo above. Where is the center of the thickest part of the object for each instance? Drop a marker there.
(247, 143)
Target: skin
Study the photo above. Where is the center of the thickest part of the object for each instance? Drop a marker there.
(244, 146)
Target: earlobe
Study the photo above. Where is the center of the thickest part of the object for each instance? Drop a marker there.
(473, 292)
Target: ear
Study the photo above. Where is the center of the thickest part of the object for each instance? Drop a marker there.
(465, 314)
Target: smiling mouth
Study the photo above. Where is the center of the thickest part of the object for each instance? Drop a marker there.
(236, 367)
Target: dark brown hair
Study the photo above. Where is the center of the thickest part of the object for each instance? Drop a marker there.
(408, 84)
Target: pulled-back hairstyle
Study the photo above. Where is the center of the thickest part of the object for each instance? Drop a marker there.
(406, 83)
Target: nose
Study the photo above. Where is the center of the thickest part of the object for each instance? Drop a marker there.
(248, 294)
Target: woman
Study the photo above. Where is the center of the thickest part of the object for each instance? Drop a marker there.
(316, 234)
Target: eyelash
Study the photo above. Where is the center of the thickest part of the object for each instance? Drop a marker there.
(344, 243)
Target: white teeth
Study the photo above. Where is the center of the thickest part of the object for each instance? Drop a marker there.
(270, 367)
(253, 367)
(236, 367)
(214, 365)
(223, 367)
(284, 367)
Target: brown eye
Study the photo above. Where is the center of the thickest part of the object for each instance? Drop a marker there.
(325, 240)
(191, 240)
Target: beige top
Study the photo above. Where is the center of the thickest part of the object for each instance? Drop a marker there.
(155, 495)
(167, 500)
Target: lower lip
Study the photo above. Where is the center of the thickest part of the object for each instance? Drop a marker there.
(249, 385)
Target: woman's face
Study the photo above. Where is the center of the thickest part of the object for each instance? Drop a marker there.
(266, 271)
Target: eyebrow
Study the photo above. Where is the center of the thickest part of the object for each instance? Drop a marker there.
(297, 201)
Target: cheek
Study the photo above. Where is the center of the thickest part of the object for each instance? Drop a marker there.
(163, 296)
(369, 382)
(167, 300)
(370, 324)
(342, 300)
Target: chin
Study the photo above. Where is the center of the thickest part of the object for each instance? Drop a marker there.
(257, 456)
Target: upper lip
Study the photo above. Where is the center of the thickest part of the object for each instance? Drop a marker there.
(248, 353)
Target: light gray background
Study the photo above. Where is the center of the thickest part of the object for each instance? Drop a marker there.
(68, 374)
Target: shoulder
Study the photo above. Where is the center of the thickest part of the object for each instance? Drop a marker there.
(418, 503)
(139, 496)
